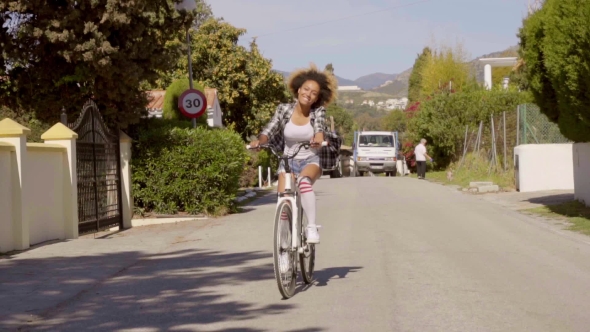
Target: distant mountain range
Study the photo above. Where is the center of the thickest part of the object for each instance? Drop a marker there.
(366, 82)
(341, 81)
(396, 85)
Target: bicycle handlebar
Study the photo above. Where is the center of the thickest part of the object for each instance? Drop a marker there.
(305, 144)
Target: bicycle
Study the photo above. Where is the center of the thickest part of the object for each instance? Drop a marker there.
(288, 250)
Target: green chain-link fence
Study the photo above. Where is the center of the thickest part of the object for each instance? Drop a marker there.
(526, 125)
(535, 128)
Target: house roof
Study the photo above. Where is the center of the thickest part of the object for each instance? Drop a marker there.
(156, 99)
(210, 94)
(500, 62)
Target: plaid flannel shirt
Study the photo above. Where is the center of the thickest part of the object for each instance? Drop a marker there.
(275, 129)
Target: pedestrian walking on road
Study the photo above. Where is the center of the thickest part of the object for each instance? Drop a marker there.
(421, 157)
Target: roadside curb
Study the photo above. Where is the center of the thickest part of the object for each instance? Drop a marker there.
(158, 221)
(251, 192)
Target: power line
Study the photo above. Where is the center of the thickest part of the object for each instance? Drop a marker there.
(346, 18)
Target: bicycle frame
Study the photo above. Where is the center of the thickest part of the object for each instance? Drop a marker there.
(292, 196)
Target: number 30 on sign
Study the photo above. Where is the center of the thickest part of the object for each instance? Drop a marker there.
(192, 103)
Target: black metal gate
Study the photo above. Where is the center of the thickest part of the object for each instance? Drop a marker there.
(99, 172)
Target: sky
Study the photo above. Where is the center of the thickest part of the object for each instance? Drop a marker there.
(361, 37)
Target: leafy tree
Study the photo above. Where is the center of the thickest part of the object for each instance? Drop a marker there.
(415, 80)
(367, 122)
(554, 45)
(59, 53)
(179, 66)
(330, 68)
(249, 90)
(445, 69)
(394, 121)
(518, 77)
(442, 118)
(202, 13)
(358, 110)
(343, 122)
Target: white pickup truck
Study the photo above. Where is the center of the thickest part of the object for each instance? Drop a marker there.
(375, 152)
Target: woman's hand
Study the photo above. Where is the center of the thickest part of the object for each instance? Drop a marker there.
(254, 145)
(317, 140)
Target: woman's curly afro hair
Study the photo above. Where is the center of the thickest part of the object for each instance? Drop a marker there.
(326, 80)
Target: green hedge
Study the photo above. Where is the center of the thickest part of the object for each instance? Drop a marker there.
(554, 48)
(176, 168)
(441, 119)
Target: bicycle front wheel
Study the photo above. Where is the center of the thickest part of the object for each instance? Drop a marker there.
(284, 257)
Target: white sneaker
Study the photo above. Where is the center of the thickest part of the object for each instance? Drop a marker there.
(313, 236)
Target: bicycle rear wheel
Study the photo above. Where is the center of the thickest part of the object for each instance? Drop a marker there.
(285, 266)
(307, 258)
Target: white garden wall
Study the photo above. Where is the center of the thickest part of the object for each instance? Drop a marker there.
(544, 167)
(581, 166)
(6, 231)
(44, 192)
(39, 186)
(36, 201)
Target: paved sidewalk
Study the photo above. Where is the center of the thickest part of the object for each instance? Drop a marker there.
(529, 200)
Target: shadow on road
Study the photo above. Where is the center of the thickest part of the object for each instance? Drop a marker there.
(268, 199)
(322, 277)
(128, 290)
(552, 199)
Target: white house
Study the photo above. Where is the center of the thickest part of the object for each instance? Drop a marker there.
(495, 62)
(155, 106)
(214, 114)
(349, 88)
(396, 104)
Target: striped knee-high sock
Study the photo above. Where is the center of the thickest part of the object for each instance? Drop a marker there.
(307, 200)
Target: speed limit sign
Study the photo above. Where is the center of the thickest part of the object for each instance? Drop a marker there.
(192, 103)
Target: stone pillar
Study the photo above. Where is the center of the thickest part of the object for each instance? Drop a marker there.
(6, 238)
(61, 135)
(487, 75)
(581, 156)
(16, 135)
(126, 194)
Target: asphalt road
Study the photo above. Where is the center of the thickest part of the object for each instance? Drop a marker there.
(396, 254)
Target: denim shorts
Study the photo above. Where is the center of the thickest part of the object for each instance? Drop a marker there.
(297, 165)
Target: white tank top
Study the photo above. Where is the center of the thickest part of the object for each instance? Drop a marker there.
(293, 134)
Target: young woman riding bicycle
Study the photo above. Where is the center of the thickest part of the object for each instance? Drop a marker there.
(302, 120)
